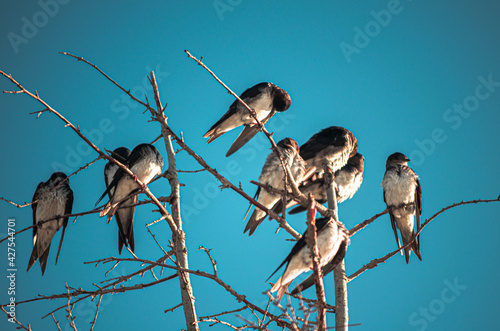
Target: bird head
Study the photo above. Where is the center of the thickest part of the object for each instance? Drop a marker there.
(281, 100)
(289, 143)
(357, 161)
(397, 158)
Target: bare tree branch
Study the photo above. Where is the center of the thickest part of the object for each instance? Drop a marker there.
(374, 263)
(95, 148)
(96, 312)
(56, 186)
(364, 224)
(312, 243)
(340, 280)
(56, 322)
(179, 236)
(14, 319)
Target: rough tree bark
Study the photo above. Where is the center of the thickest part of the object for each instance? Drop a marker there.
(340, 280)
(179, 238)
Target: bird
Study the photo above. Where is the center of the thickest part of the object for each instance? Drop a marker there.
(331, 235)
(403, 197)
(52, 199)
(334, 144)
(145, 162)
(326, 269)
(272, 175)
(266, 99)
(348, 180)
(125, 215)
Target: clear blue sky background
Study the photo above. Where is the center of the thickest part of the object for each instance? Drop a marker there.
(394, 92)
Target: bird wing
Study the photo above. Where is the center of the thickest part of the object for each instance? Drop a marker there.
(36, 196)
(248, 132)
(249, 93)
(301, 243)
(418, 206)
(67, 210)
(325, 270)
(134, 158)
(319, 142)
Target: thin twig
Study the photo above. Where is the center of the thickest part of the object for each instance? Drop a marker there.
(95, 148)
(9, 316)
(364, 224)
(56, 322)
(173, 308)
(96, 312)
(214, 263)
(374, 263)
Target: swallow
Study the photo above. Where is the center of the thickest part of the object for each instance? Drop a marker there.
(331, 237)
(272, 175)
(348, 180)
(52, 202)
(334, 145)
(265, 99)
(125, 215)
(403, 197)
(145, 162)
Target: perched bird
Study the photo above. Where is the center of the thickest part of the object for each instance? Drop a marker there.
(402, 195)
(334, 144)
(52, 202)
(125, 215)
(348, 180)
(331, 235)
(272, 174)
(265, 99)
(326, 269)
(145, 162)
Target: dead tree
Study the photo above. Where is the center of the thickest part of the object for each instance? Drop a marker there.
(310, 313)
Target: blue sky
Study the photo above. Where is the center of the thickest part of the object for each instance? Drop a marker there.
(408, 76)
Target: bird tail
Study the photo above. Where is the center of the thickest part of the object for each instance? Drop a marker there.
(125, 221)
(254, 221)
(297, 210)
(212, 136)
(43, 259)
(281, 288)
(33, 257)
(414, 246)
(60, 243)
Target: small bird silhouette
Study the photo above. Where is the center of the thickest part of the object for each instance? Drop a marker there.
(54, 199)
(334, 145)
(272, 175)
(331, 236)
(403, 197)
(265, 99)
(145, 162)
